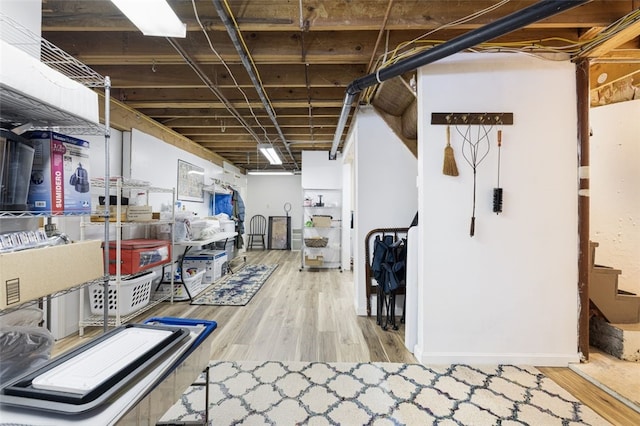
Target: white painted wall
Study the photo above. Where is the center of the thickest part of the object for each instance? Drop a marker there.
(156, 161)
(319, 172)
(509, 294)
(385, 188)
(614, 183)
(267, 196)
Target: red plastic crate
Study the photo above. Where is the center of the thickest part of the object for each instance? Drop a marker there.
(139, 254)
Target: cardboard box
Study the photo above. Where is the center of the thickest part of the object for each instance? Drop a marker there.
(139, 254)
(311, 262)
(139, 213)
(60, 174)
(227, 226)
(31, 274)
(98, 216)
(211, 261)
(321, 221)
(228, 246)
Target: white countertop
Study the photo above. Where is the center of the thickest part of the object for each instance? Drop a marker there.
(220, 236)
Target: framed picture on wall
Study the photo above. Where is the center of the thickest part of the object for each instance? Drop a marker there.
(190, 182)
(279, 233)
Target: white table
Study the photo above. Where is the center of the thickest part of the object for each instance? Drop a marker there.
(189, 244)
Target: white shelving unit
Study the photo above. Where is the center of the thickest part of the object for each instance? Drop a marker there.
(118, 185)
(19, 110)
(321, 244)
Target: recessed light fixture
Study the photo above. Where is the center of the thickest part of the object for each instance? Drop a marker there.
(153, 17)
(602, 77)
(270, 173)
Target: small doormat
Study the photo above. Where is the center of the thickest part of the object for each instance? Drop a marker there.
(305, 393)
(238, 288)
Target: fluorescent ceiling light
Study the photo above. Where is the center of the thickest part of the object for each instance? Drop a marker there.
(153, 17)
(270, 153)
(270, 173)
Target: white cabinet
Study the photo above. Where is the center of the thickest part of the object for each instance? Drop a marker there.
(321, 244)
(128, 295)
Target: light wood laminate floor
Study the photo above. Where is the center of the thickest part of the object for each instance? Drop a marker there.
(310, 316)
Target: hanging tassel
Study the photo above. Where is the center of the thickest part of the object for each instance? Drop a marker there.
(449, 167)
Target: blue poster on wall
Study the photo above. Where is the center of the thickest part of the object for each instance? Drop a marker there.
(223, 204)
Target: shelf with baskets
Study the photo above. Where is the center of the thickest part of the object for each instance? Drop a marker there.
(321, 244)
(134, 264)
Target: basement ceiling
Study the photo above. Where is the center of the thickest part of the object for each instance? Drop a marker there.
(304, 54)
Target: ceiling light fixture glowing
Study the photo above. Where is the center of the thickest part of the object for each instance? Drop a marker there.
(153, 17)
(270, 153)
(270, 173)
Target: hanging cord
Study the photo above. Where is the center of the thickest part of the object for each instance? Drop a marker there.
(497, 191)
(474, 153)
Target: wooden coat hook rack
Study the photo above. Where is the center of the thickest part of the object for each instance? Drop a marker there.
(473, 118)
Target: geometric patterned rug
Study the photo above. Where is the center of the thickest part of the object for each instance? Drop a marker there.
(319, 393)
(238, 288)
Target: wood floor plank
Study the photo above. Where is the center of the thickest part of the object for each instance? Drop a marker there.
(310, 316)
(602, 403)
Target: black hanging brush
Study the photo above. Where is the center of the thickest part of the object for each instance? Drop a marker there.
(497, 192)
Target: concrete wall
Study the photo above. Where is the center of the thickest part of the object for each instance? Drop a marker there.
(614, 183)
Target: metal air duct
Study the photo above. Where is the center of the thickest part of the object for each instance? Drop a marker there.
(235, 39)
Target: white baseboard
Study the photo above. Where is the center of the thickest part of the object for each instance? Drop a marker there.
(534, 359)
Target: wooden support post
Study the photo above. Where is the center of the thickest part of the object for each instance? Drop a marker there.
(584, 261)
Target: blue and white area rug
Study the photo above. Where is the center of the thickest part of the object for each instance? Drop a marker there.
(238, 288)
(318, 393)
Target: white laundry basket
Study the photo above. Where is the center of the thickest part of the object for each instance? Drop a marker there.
(135, 293)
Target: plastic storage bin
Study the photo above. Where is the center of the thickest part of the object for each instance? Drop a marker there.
(139, 254)
(135, 293)
(193, 283)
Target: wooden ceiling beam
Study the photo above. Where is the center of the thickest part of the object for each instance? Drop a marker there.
(168, 76)
(347, 47)
(223, 114)
(604, 74)
(619, 38)
(142, 104)
(284, 15)
(276, 94)
(213, 132)
(195, 123)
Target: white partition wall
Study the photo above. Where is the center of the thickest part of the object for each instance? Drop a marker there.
(508, 294)
(385, 188)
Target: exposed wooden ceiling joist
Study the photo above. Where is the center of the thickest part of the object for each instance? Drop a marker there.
(306, 52)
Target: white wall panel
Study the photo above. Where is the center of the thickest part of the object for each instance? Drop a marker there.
(508, 294)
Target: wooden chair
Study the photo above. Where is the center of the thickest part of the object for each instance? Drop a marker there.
(257, 231)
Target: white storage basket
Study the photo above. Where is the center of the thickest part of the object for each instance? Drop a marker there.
(134, 294)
